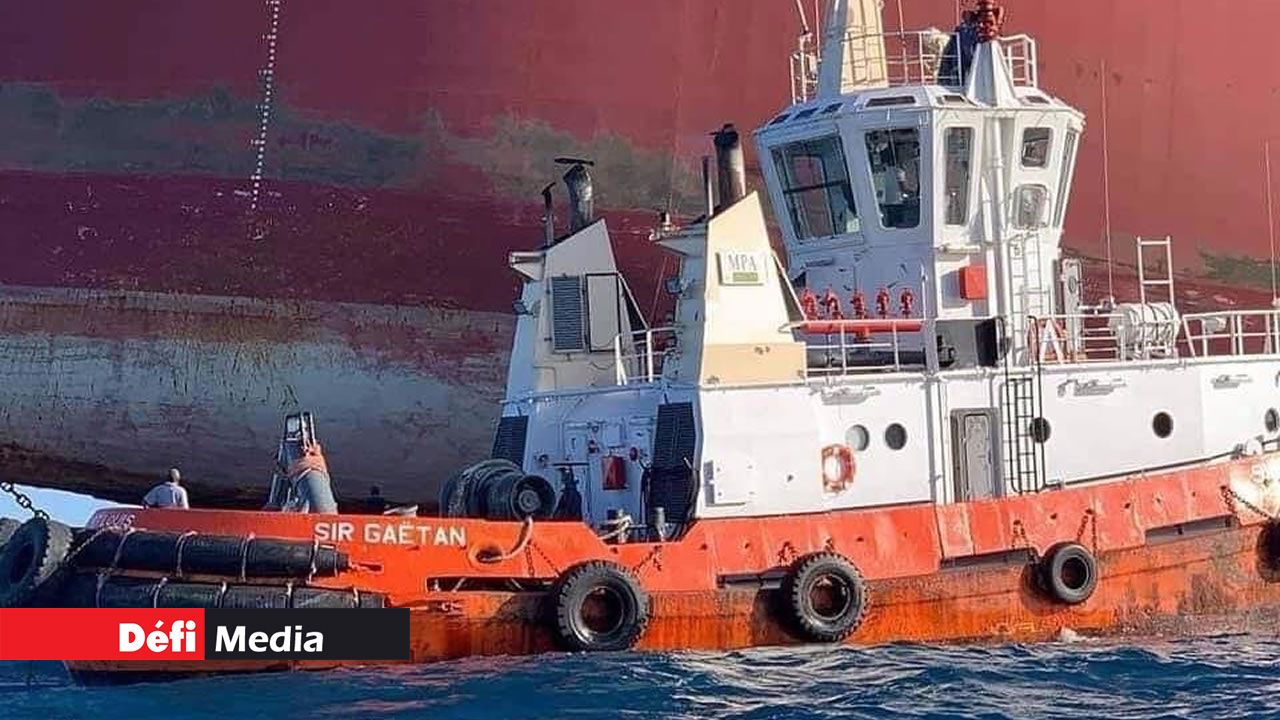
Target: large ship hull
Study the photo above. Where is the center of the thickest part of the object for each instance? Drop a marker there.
(353, 181)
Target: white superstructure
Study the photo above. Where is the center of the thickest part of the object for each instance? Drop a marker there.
(922, 341)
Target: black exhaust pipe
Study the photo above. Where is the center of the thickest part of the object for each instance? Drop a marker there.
(581, 193)
(731, 165)
(548, 216)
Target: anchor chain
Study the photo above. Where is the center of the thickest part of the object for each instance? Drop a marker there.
(1231, 497)
(22, 500)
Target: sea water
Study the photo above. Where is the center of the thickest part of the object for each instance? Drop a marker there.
(1224, 677)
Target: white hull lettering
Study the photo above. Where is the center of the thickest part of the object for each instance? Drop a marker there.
(375, 533)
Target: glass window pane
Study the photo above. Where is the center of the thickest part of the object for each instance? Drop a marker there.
(815, 185)
(959, 142)
(1064, 177)
(1030, 206)
(895, 173)
(1035, 147)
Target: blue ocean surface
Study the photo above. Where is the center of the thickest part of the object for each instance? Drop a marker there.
(1225, 677)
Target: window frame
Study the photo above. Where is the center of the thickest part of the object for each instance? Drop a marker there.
(1048, 151)
(969, 175)
(870, 173)
(1070, 152)
(784, 170)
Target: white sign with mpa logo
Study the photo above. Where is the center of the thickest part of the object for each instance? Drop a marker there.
(742, 268)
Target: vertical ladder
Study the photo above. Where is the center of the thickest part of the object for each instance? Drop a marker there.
(1144, 282)
(1149, 345)
(1029, 294)
(1024, 457)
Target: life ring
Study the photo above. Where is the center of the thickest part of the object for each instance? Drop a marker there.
(1069, 573)
(599, 607)
(838, 468)
(825, 597)
(30, 562)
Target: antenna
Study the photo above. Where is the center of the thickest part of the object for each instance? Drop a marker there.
(1271, 222)
(1106, 182)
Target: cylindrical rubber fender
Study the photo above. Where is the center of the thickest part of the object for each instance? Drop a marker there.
(255, 596)
(31, 563)
(324, 598)
(127, 593)
(189, 595)
(8, 526)
(516, 496)
(824, 597)
(599, 607)
(267, 557)
(1068, 573)
(221, 555)
(83, 591)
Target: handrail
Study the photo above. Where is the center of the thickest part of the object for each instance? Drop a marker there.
(853, 337)
(1106, 337)
(909, 57)
(641, 352)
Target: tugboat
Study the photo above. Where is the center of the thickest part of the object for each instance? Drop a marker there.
(914, 429)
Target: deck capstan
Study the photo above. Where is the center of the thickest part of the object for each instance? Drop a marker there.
(931, 164)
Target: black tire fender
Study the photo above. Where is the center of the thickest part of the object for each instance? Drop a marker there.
(31, 562)
(1068, 573)
(806, 619)
(624, 596)
(8, 526)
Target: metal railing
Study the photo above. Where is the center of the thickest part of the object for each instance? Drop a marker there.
(895, 59)
(848, 347)
(640, 356)
(1074, 338)
(1111, 337)
(1233, 332)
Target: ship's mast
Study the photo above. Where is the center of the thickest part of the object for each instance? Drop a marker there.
(853, 52)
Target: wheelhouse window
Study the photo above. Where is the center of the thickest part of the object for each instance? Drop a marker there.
(1064, 177)
(894, 156)
(1035, 147)
(1030, 207)
(815, 186)
(959, 148)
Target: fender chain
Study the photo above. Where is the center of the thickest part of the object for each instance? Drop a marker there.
(1232, 497)
(22, 500)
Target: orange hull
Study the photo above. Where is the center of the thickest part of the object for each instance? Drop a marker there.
(1177, 554)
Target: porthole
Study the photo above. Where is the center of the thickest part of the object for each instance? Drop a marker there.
(1162, 425)
(1272, 420)
(1040, 430)
(858, 438)
(895, 436)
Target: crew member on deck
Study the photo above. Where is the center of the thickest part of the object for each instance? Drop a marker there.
(375, 503)
(168, 494)
(957, 58)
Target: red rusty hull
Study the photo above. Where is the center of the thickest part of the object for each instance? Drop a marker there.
(1204, 585)
(1178, 554)
(103, 391)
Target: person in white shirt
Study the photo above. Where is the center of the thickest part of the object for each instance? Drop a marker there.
(168, 494)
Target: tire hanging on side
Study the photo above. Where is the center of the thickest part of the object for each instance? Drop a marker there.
(616, 626)
(824, 597)
(8, 526)
(1068, 573)
(31, 563)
